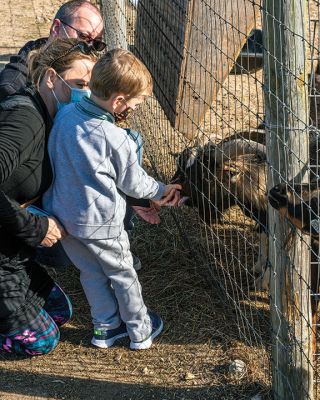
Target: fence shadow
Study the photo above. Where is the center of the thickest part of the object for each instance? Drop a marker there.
(64, 387)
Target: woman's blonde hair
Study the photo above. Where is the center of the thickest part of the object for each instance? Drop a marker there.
(120, 71)
(59, 55)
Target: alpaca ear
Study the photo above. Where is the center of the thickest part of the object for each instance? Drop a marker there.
(192, 155)
(209, 156)
(186, 158)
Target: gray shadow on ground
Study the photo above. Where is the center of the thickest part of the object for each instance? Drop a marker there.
(62, 387)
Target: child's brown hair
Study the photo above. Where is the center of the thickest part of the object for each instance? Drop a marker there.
(120, 71)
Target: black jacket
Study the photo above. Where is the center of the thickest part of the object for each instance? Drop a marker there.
(14, 76)
(25, 173)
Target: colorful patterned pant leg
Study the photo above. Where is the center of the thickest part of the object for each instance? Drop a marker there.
(39, 337)
(42, 335)
(58, 306)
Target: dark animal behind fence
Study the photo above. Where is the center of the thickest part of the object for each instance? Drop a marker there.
(217, 177)
(299, 203)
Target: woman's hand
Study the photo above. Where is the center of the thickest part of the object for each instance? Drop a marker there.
(148, 214)
(54, 233)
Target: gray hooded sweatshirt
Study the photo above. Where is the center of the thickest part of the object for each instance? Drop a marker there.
(95, 166)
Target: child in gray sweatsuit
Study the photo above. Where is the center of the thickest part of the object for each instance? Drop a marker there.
(95, 167)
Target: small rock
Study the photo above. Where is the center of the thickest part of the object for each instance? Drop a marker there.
(237, 367)
(188, 376)
(256, 397)
(145, 371)
(118, 358)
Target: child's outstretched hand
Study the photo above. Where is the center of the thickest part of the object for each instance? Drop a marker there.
(171, 196)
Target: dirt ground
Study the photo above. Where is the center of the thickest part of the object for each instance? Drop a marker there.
(190, 361)
(192, 358)
(23, 21)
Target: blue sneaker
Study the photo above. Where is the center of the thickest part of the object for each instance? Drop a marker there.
(105, 338)
(157, 326)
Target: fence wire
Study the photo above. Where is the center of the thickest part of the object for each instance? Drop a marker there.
(223, 117)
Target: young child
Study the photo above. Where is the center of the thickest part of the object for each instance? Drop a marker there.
(95, 166)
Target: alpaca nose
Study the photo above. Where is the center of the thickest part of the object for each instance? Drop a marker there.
(276, 188)
(278, 196)
(280, 189)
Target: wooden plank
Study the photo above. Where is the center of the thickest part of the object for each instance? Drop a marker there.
(159, 42)
(190, 48)
(218, 30)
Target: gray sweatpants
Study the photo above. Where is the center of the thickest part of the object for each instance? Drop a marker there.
(103, 263)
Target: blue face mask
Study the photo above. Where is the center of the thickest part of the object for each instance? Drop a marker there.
(76, 95)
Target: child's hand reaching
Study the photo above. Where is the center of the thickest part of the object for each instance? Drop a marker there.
(171, 196)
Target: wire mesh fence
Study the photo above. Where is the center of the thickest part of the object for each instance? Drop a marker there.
(235, 114)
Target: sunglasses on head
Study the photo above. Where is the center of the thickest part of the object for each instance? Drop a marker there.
(97, 44)
(84, 47)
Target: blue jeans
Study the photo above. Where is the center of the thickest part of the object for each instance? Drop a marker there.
(136, 137)
(55, 256)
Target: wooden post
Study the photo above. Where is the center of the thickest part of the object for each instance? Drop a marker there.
(286, 101)
(215, 34)
(114, 16)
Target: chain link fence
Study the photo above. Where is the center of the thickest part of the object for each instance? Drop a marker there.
(235, 114)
